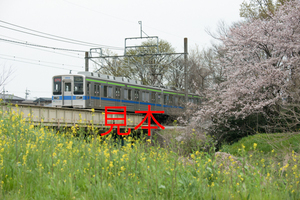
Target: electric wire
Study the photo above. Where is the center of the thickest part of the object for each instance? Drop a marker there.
(39, 35)
(36, 48)
(41, 46)
(37, 64)
(40, 61)
(64, 38)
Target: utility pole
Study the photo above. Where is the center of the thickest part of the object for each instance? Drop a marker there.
(185, 70)
(86, 61)
(140, 23)
(26, 93)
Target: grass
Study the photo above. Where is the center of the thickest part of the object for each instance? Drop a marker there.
(39, 163)
(281, 142)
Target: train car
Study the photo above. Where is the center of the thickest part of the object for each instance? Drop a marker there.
(93, 90)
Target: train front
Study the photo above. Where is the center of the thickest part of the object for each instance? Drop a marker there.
(68, 91)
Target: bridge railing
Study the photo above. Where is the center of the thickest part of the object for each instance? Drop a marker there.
(52, 116)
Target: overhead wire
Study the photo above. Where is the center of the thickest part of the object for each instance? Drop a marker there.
(64, 54)
(62, 39)
(37, 64)
(41, 46)
(39, 61)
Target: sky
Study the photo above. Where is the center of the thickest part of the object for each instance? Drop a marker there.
(103, 23)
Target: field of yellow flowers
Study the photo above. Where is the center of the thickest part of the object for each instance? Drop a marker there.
(41, 163)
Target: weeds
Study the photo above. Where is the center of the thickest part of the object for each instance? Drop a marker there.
(41, 163)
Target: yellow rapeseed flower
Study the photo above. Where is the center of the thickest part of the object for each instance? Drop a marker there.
(254, 145)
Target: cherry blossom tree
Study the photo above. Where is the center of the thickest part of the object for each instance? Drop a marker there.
(261, 60)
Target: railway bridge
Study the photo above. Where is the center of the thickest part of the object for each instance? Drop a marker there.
(67, 117)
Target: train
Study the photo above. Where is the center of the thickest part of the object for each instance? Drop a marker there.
(89, 90)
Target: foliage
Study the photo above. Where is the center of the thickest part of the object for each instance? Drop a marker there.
(142, 63)
(113, 66)
(260, 9)
(234, 129)
(266, 143)
(146, 64)
(261, 69)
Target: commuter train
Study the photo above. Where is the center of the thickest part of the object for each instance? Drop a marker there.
(93, 90)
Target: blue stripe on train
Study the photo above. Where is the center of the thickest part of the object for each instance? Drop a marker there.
(144, 103)
(108, 99)
(127, 101)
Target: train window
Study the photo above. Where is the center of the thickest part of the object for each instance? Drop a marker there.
(153, 97)
(125, 94)
(108, 91)
(78, 88)
(95, 90)
(158, 98)
(78, 85)
(98, 90)
(129, 94)
(137, 95)
(166, 98)
(176, 101)
(57, 88)
(171, 99)
(145, 96)
(118, 92)
(105, 91)
(57, 85)
(67, 87)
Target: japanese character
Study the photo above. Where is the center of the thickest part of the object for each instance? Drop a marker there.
(149, 116)
(117, 118)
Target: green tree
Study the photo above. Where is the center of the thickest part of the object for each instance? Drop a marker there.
(149, 62)
(259, 9)
(112, 65)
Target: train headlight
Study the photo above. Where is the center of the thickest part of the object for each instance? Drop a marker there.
(78, 97)
(55, 97)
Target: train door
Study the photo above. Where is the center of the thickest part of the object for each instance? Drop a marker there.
(97, 95)
(137, 99)
(67, 96)
(89, 94)
(159, 101)
(118, 96)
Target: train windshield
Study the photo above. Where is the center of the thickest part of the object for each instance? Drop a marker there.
(78, 85)
(57, 85)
